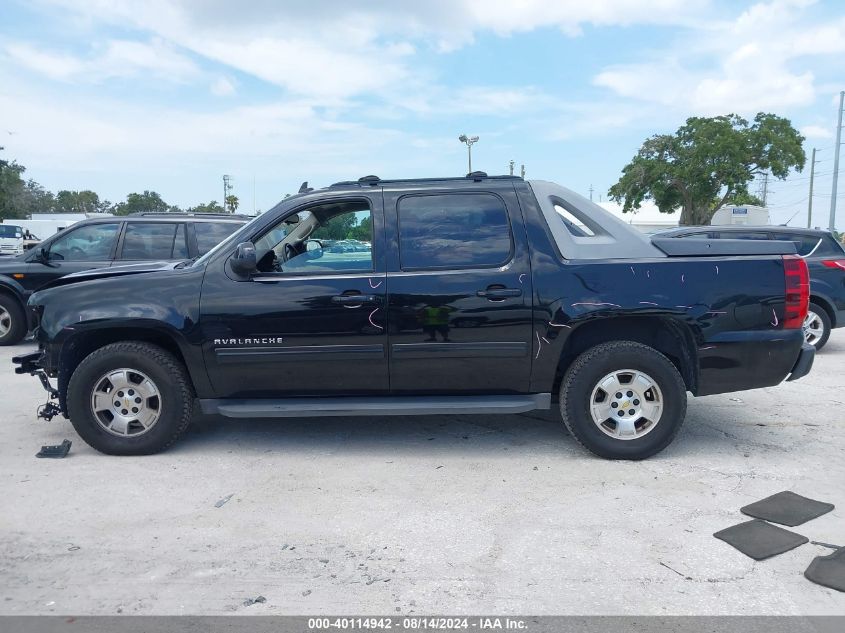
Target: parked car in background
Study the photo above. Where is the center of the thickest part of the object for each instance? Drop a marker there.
(30, 240)
(101, 243)
(11, 239)
(825, 259)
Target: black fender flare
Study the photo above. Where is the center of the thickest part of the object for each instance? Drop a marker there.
(13, 288)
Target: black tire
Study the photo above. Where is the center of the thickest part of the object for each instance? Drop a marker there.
(825, 321)
(15, 321)
(175, 406)
(583, 376)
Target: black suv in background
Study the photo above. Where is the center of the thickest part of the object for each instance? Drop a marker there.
(825, 259)
(100, 243)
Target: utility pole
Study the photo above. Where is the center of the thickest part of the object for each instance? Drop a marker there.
(765, 194)
(226, 189)
(591, 193)
(470, 141)
(810, 203)
(832, 223)
(511, 167)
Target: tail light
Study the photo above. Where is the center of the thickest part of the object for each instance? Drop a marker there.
(834, 263)
(797, 280)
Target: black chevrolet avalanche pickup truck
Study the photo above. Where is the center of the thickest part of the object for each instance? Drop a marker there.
(404, 297)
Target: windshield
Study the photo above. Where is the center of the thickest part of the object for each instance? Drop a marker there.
(8, 230)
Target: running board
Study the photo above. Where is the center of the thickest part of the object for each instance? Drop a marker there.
(399, 405)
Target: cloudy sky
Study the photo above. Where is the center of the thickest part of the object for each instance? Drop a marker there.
(122, 95)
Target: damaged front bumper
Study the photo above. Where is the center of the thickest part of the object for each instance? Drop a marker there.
(31, 364)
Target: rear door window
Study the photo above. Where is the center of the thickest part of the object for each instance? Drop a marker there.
(149, 240)
(210, 234)
(447, 231)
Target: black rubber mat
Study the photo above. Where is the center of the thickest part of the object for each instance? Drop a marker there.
(828, 571)
(787, 508)
(760, 540)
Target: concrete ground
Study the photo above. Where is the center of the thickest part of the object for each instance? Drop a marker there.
(425, 515)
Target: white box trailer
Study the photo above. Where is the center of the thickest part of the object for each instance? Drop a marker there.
(42, 229)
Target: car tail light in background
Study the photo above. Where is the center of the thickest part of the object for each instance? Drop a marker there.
(797, 280)
(834, 263)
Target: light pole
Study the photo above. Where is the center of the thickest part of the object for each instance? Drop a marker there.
(469, 140)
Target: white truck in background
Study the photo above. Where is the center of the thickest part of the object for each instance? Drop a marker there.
(11, 239)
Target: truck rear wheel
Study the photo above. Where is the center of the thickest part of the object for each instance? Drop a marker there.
(130, 398)
(816, 326)
(623, 400)
(13, 323)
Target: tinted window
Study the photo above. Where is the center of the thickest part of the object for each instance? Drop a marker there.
(829, 248)
(453, 231)
(90, 243)
(696, 236)
(180, 244)
(743, 235)
(210, 234)
(147, 240)
(804, 244)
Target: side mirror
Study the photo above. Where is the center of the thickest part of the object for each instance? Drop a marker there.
(244, 262)
(42, 256)
(314, 249)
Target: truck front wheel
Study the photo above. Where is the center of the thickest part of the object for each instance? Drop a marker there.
(623, 400)
(130, 398)
(12, 320)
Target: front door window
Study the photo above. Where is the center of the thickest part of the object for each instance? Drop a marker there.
(91, 243)
(327, 239)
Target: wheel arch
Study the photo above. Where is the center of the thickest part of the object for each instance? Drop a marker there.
(8, 287)
(668, 336)
(826, 305)
(78, 346)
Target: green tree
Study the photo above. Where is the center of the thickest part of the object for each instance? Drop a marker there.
(232, 203)
(86, 201)
(211, 207)
(337, 228)
(707, 162)
(12, 189)
(363, 231)
(147, 202)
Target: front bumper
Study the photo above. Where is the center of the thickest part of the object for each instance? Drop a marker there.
(804, 363)
(29, 363)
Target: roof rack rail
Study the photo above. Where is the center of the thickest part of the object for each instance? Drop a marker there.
(182, 214)
(476, 176)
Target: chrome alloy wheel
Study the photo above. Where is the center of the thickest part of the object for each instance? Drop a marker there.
(125, 402)
(626, 404)
(813, 328)
(5, 321)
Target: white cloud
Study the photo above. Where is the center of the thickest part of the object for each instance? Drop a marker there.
(816, 131)
(333, 49)
(222, 87)
(744, 65)
(115, 58)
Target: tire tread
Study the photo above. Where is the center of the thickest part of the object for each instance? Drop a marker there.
(164, 359)
(590, 356)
